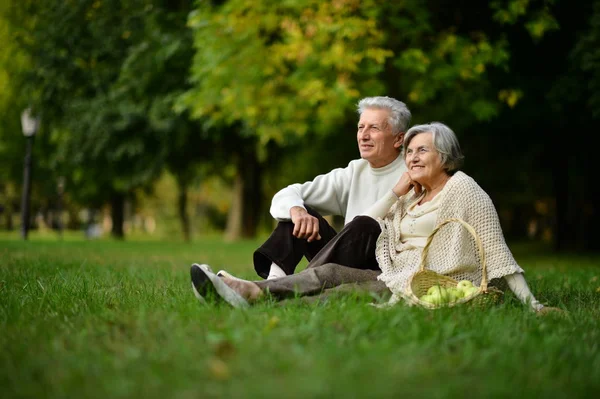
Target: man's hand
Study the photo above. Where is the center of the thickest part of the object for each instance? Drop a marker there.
(305, 225)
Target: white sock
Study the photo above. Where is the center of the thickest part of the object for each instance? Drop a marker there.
(275, 271)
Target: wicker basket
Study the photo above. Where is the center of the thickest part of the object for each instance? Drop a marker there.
(423, 279)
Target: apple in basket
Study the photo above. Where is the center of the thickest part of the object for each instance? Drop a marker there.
(455, 294)
(467, 288)
(438, 294)
(435, 288)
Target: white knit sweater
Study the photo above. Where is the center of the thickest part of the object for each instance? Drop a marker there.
(343, 191)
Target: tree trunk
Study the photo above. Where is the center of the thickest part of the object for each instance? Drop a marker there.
(182, 208)
(9, 217)
(117, 213)
(244, 215)
(250, 170)
(233, 231)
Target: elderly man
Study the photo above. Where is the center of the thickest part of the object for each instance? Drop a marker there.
(299, 208)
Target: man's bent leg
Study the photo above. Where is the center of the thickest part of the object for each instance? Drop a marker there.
(286, 250)
(354, 246)
(316, 279)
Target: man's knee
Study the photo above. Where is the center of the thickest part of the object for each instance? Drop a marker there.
(284, 225)
(364, 223)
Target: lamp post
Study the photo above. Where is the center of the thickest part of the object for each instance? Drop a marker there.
(30, 125)
(60, 188)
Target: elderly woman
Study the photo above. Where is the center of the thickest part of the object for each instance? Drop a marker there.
(431, 191)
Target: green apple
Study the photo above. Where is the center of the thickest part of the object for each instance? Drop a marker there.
(436, 298)
(451, 297)
(464, 284)
(432, 289)
(426, 298)
(439, 295)
(471, 291)
(454, 294)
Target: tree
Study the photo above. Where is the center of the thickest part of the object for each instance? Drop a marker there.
(289, 72)
(152, 77)
(552, 75)
(15, 65)
(102, 71)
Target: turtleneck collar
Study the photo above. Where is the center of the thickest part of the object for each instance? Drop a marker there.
(396, 163)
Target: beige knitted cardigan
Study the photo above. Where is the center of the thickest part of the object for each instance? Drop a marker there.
(452, 251)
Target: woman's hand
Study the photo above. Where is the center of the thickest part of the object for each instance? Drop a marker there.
(552, 310)
(405, 184)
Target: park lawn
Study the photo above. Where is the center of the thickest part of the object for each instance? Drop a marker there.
(107, 319)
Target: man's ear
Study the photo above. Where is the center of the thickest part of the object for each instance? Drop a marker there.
(398, 140)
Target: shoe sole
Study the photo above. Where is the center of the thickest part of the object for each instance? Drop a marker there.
(206, 283)
(200, 283)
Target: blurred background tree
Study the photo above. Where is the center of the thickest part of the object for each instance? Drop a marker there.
(249, 96)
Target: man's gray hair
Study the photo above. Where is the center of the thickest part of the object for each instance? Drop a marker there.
(399, 114)
(444, 141)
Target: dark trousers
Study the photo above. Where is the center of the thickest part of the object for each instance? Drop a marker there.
(353, 247)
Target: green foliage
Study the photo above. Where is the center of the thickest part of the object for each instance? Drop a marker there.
(106, 73)
(263, 79)
(283, 69)
(14, 65)
(586, 66)
(453, 63)
(539, 20)
(287, 69)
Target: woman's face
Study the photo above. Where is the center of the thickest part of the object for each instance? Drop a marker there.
(423, 161)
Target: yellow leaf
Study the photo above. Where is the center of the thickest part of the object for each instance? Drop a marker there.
(413, 96)
(271, 324)
(218, 369)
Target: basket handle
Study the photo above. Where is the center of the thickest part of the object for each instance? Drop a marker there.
(470, 229)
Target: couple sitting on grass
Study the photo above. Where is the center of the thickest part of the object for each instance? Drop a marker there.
(391, 200)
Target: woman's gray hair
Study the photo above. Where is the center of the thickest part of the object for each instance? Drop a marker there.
(399, 114)
(444, 141)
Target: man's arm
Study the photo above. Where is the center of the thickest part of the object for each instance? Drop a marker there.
(327, 194)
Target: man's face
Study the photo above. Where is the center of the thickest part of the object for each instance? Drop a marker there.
(375, 140)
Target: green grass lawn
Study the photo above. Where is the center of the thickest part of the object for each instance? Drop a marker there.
(106, 319)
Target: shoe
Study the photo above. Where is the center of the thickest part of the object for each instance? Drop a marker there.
(206, 284)
(200, 282)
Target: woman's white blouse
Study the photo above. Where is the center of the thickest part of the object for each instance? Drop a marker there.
(419, 222)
